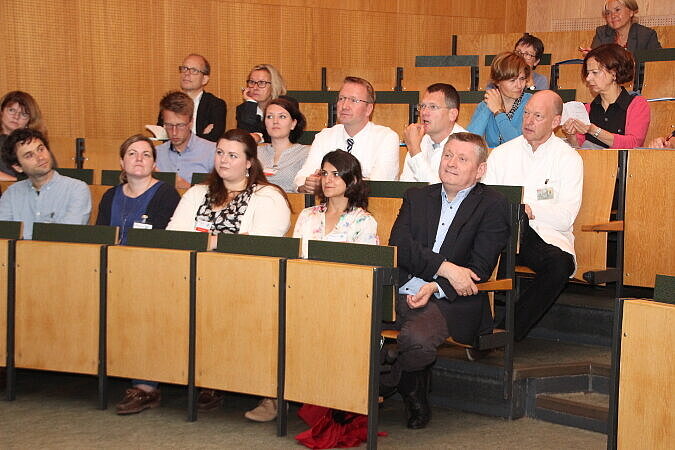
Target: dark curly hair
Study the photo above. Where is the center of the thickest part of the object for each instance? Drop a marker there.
(217, 190)
(613, 58)
(350, 171)
(22, 136)
(291, 105)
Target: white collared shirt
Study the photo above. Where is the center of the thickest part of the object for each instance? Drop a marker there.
(375, 146)
(196, 101)
(424, 165)
(553, 165)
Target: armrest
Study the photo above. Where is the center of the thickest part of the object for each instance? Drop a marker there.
(615, 225)
(496, 285)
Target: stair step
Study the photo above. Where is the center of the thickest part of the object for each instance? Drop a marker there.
(587, 410)
(587, 404)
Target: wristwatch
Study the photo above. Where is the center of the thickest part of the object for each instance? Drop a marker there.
(597, 132)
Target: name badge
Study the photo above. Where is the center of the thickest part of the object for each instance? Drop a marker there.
(545, 193)
(143, 226)
(336, 237)
(203, 225)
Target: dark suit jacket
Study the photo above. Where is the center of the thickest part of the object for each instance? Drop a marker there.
(479, 232)
(640, 37)
(212, 110)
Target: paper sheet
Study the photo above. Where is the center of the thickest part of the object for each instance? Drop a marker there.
(575, 110)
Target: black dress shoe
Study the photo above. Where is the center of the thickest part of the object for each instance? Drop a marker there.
(414, 389)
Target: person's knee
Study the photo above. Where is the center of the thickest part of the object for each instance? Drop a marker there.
(558, 268)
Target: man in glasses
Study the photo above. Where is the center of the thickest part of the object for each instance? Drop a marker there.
(184, 153)
(375, 146)
(425, 140)
(209, 121)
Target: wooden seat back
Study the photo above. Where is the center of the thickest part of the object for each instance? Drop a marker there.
(659, 79)
(419, 78)
(8, 231)
(331, 335)
(649, 217)
(600, 172)
(298, 203)
(61, 310)
(384, 202)
(570, 78)
(382, 78)
(647, 374)
(238, 333)
(662, 121)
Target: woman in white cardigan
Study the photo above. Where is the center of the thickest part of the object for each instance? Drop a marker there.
(236, 198)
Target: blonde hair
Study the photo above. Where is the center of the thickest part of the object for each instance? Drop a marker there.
(278, 84)
(630, 4)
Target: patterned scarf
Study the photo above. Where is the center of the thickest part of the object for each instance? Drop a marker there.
(227, 220)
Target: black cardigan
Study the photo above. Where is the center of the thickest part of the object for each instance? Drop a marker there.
(159, 212)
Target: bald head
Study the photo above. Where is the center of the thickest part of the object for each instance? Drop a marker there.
(541, 117)
(550, 98)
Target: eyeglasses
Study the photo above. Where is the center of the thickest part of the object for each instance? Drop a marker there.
(260, 83)
(326, 174)
(354, 100)
(190, 70)
(431, 107)
(15, 112)
(525, 54)
(178, 126)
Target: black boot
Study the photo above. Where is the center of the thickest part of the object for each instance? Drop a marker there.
(414, 387)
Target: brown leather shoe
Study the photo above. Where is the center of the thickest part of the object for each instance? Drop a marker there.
(136, 400)
(209, 399)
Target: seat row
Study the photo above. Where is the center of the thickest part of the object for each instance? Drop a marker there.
(163, 309)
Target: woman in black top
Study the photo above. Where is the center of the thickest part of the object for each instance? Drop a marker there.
(140, 201)
(264, 84)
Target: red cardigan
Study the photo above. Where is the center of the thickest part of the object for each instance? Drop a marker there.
(637, 123)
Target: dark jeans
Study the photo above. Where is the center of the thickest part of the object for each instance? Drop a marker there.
(553, 268)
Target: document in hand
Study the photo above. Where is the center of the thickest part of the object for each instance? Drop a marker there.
(575, 110)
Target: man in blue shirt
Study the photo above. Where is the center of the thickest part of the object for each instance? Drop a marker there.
(449, 236)
(184, 153)
(45, 196)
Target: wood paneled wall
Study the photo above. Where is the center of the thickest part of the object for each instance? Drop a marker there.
(98, 68)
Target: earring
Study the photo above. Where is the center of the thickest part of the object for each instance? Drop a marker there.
(247, 174)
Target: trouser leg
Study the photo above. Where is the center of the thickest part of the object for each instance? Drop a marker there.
(553, 268)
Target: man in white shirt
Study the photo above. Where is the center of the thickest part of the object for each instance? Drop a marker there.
(210, 111)
(552, 174)
(425, 140)
(375, 146)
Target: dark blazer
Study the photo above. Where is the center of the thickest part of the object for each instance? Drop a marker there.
(159, 212)
(479, 232)
(640, 37)
(212, 110)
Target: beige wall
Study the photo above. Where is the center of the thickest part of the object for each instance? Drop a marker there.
(98, 68)
(554, 15)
